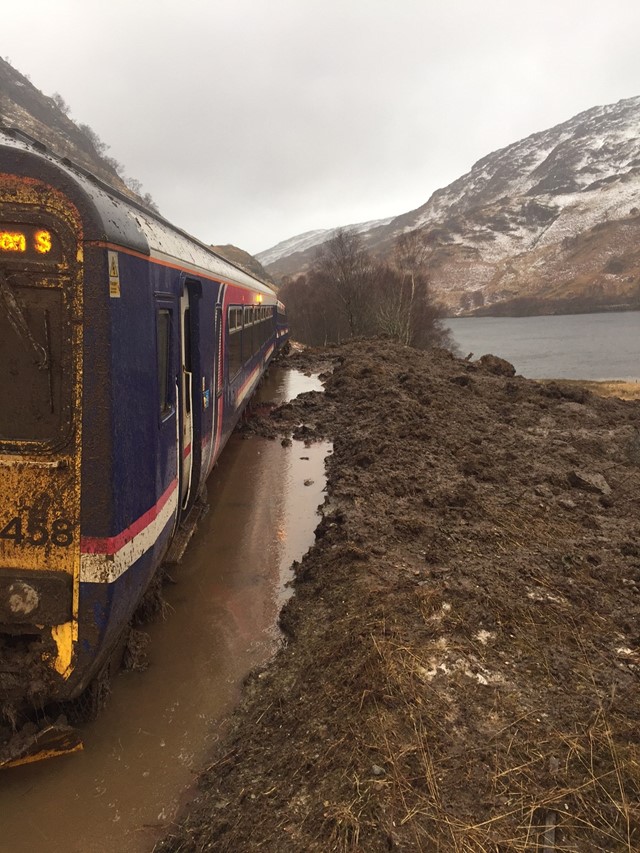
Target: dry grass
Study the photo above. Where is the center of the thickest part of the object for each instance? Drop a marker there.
(606, 388)
(568, 791)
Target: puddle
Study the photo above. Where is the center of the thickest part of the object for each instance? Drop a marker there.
(147, 747)
(282, 385)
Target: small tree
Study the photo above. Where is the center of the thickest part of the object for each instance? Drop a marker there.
(345, 266)
(60, 103)
(418, 318)
(96, 143)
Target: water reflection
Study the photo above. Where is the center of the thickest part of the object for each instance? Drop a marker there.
(282, 385)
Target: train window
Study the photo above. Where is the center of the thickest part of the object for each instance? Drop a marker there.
(164, 351)
(246, 336)
(235, 340)
(235, 318)
(35, 359)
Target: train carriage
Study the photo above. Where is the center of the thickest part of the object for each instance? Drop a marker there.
(127, 353)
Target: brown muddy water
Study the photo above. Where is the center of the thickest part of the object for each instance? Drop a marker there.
(142, 755)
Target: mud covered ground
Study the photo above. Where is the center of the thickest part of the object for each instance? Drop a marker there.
(463, 647)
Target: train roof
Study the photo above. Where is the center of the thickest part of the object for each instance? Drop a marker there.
(113, 217)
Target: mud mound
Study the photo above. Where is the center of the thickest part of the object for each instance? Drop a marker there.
(461, 671)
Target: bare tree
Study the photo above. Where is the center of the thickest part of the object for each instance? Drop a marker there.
(60, 103)
(346, 293)
(392, 306)
(418, 316)
(409, 261)
(346, 266)
(96, 143)
(314, 317)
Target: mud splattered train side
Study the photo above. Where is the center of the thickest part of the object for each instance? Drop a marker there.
(128, 351)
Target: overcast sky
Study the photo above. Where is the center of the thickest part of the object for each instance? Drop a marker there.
(251, 121)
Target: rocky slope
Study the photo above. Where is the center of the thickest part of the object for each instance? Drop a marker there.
(25, 107)
(547, 224)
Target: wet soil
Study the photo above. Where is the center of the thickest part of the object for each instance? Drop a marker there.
(461, 671)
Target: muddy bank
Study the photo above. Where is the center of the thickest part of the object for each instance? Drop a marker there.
(464, 642)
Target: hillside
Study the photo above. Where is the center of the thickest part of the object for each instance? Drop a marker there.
(25, 107)
(45, 118)
(548, 224)
(244, 260)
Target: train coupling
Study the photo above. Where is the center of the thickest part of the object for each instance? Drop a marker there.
(36, 743)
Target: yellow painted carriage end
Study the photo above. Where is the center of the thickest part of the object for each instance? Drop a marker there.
(64, 636)
(39, 486)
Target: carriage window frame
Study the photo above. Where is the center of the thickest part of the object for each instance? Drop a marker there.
(166, 406)
(235, 340)
(54, 279)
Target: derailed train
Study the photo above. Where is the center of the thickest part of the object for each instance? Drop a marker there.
(128, 351)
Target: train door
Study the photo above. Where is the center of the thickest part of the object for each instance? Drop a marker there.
(190, 381)
(186, 398)
(218, 373)
(212, 388)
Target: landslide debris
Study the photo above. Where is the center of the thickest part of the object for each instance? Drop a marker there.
(461, 665)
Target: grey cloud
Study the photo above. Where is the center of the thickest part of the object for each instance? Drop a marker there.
(251, 121)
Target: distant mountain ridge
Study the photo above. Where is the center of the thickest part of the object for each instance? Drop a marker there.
(548, 224)
(312, 239)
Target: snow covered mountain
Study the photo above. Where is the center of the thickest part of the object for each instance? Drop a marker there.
(549, 223)
(312, 239)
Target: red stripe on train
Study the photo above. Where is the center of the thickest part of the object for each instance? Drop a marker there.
(112, 544)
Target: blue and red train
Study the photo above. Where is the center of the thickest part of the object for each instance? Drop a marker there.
(128, 351)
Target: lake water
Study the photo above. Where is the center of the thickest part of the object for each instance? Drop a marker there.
(570, 346)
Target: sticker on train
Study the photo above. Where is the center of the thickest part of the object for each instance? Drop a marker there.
(114, 276)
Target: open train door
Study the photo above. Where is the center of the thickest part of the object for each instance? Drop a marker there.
(218, 385)
(190, 414)
(186, 399)
(212, 388)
